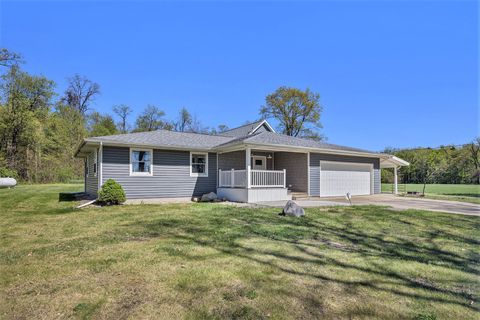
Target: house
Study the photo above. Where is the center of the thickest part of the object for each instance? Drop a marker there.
(250, 163)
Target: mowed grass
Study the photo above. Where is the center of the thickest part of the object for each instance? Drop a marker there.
(213, 261)
(456, 192)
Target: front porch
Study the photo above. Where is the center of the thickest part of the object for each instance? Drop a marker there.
(253, 185)
(261, 175)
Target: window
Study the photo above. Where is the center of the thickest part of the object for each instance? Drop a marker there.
(87, 166)
(198, 164)
(141, 162)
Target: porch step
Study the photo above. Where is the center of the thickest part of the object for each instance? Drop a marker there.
(298, 195)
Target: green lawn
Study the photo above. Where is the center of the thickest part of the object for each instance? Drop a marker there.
(211, 261)
(457, 192)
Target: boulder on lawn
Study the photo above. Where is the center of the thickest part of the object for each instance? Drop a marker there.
(292, 209)
(208, 197)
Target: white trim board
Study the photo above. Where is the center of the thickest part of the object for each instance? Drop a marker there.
(264, 122)
(308, 173)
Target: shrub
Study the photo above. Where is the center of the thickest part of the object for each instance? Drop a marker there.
(111, 193)
(8, 173)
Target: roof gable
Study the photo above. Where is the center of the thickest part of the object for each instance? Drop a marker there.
(249, 129)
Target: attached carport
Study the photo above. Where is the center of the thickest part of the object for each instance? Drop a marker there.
(393, 162)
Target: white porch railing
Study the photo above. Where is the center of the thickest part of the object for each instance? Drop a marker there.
(258, 178)
(232, 178)
(268, 178)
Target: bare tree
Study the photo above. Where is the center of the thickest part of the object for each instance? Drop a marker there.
(151, 119)
(196, 126)
(122, 111)
(80, 93)
(184, 120)
(9, 58)
(222, 128)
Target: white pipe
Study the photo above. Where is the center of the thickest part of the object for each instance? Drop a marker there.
(86, 204)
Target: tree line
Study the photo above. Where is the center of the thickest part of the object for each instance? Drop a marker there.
(447, 164)
(41, 128)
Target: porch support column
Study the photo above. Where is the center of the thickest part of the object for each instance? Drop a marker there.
(248, 166)
(99, 161)
(395, 180)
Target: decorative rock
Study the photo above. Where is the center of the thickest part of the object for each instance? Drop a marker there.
(292, 209)
(209, 197)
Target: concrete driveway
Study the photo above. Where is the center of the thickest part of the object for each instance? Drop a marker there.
(395, 202)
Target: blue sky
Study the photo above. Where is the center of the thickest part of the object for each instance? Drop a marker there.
(399, 74)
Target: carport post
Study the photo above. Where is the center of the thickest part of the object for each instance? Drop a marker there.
(395, 180)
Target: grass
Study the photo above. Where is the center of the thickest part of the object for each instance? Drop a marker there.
(211, 261)
(456, 192)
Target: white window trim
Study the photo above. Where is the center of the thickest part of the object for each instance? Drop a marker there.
(95, 163)
(141, 174)
(195, 174)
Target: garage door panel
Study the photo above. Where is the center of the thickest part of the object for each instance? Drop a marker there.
(345, 166)
(338, 178)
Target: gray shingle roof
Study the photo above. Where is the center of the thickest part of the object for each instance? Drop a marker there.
(242, 131)
(165, 138)
(270, 138)
(196, 141)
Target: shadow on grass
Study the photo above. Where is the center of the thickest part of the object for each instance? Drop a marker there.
(305, 238)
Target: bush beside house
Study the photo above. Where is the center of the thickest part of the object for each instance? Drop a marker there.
(111, 193)
(8, 173)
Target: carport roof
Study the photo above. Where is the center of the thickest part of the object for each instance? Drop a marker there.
(392, 162)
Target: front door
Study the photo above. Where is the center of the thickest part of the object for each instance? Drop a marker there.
(259, 163)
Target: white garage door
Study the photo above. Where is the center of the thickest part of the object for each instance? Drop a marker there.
(338, 178)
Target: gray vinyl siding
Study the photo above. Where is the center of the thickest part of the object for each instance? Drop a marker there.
(236, 160)
(377, 180)
(171, 174)
(296, 169)
(231, 160)
(315, 169)
(91, 181)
